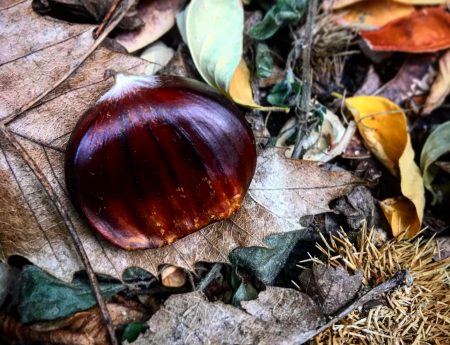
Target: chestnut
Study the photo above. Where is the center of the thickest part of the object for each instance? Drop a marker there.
(158, 158)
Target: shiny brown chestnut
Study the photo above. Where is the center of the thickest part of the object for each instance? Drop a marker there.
(158, 158)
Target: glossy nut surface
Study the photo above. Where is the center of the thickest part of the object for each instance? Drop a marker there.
(158, 158)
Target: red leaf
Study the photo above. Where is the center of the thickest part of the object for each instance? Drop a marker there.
(423, 31)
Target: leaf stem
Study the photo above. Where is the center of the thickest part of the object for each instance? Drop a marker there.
(305, 101)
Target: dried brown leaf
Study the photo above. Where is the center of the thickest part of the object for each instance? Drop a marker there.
(441, 86)
(158, 17)
(332, 287)
(443, 249)
(282, 191)
(278, 316)
(412, 80)
(83, 328)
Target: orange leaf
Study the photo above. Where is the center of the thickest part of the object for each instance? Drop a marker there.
(423, 31)
(373, 14)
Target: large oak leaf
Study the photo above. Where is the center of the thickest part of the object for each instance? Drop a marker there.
(282, 191)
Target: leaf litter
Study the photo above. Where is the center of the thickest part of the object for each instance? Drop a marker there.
(262, 241)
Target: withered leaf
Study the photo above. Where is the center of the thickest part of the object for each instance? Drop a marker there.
(443, 245)
(282, 191)
(278, 316)
(441, 86)
(157, 16)
(83, 328)
(412, 80)
(332, 287)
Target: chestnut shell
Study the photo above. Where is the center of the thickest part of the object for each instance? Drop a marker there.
(158, 158)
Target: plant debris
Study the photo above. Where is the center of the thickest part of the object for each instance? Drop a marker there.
(341, 238)
(415, 313)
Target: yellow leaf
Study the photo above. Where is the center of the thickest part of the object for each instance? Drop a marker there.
(375, 13)
(401, 215)
(240, 90)
(383, 126)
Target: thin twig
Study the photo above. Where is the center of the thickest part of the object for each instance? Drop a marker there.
(305, 101)
(106, 19)
(64, 213)
(402, 277)
(157, 290)
(122, 10)
(209, 277)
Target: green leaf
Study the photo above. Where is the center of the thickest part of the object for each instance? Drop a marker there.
(245, 292)
(132, 274)
(284, 92)
(44, 297)
(133, 330)
(266, 263)
(284, 12)
(213, 31)
(437, 145)
(264, 61)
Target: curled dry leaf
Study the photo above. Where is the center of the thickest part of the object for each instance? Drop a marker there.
(172, 276)
(372, 14)
(441, 86)
(383, 126)
(158, 17)
(423, 31)
(327, 141)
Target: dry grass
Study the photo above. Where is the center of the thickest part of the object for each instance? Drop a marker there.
(330, 44)
(418, 314)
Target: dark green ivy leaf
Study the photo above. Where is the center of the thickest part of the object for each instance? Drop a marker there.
(245, 292)
(266, 263)
(285, 92)
(284, 12)
(264, 61)
(133, 330)
(44, 297)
